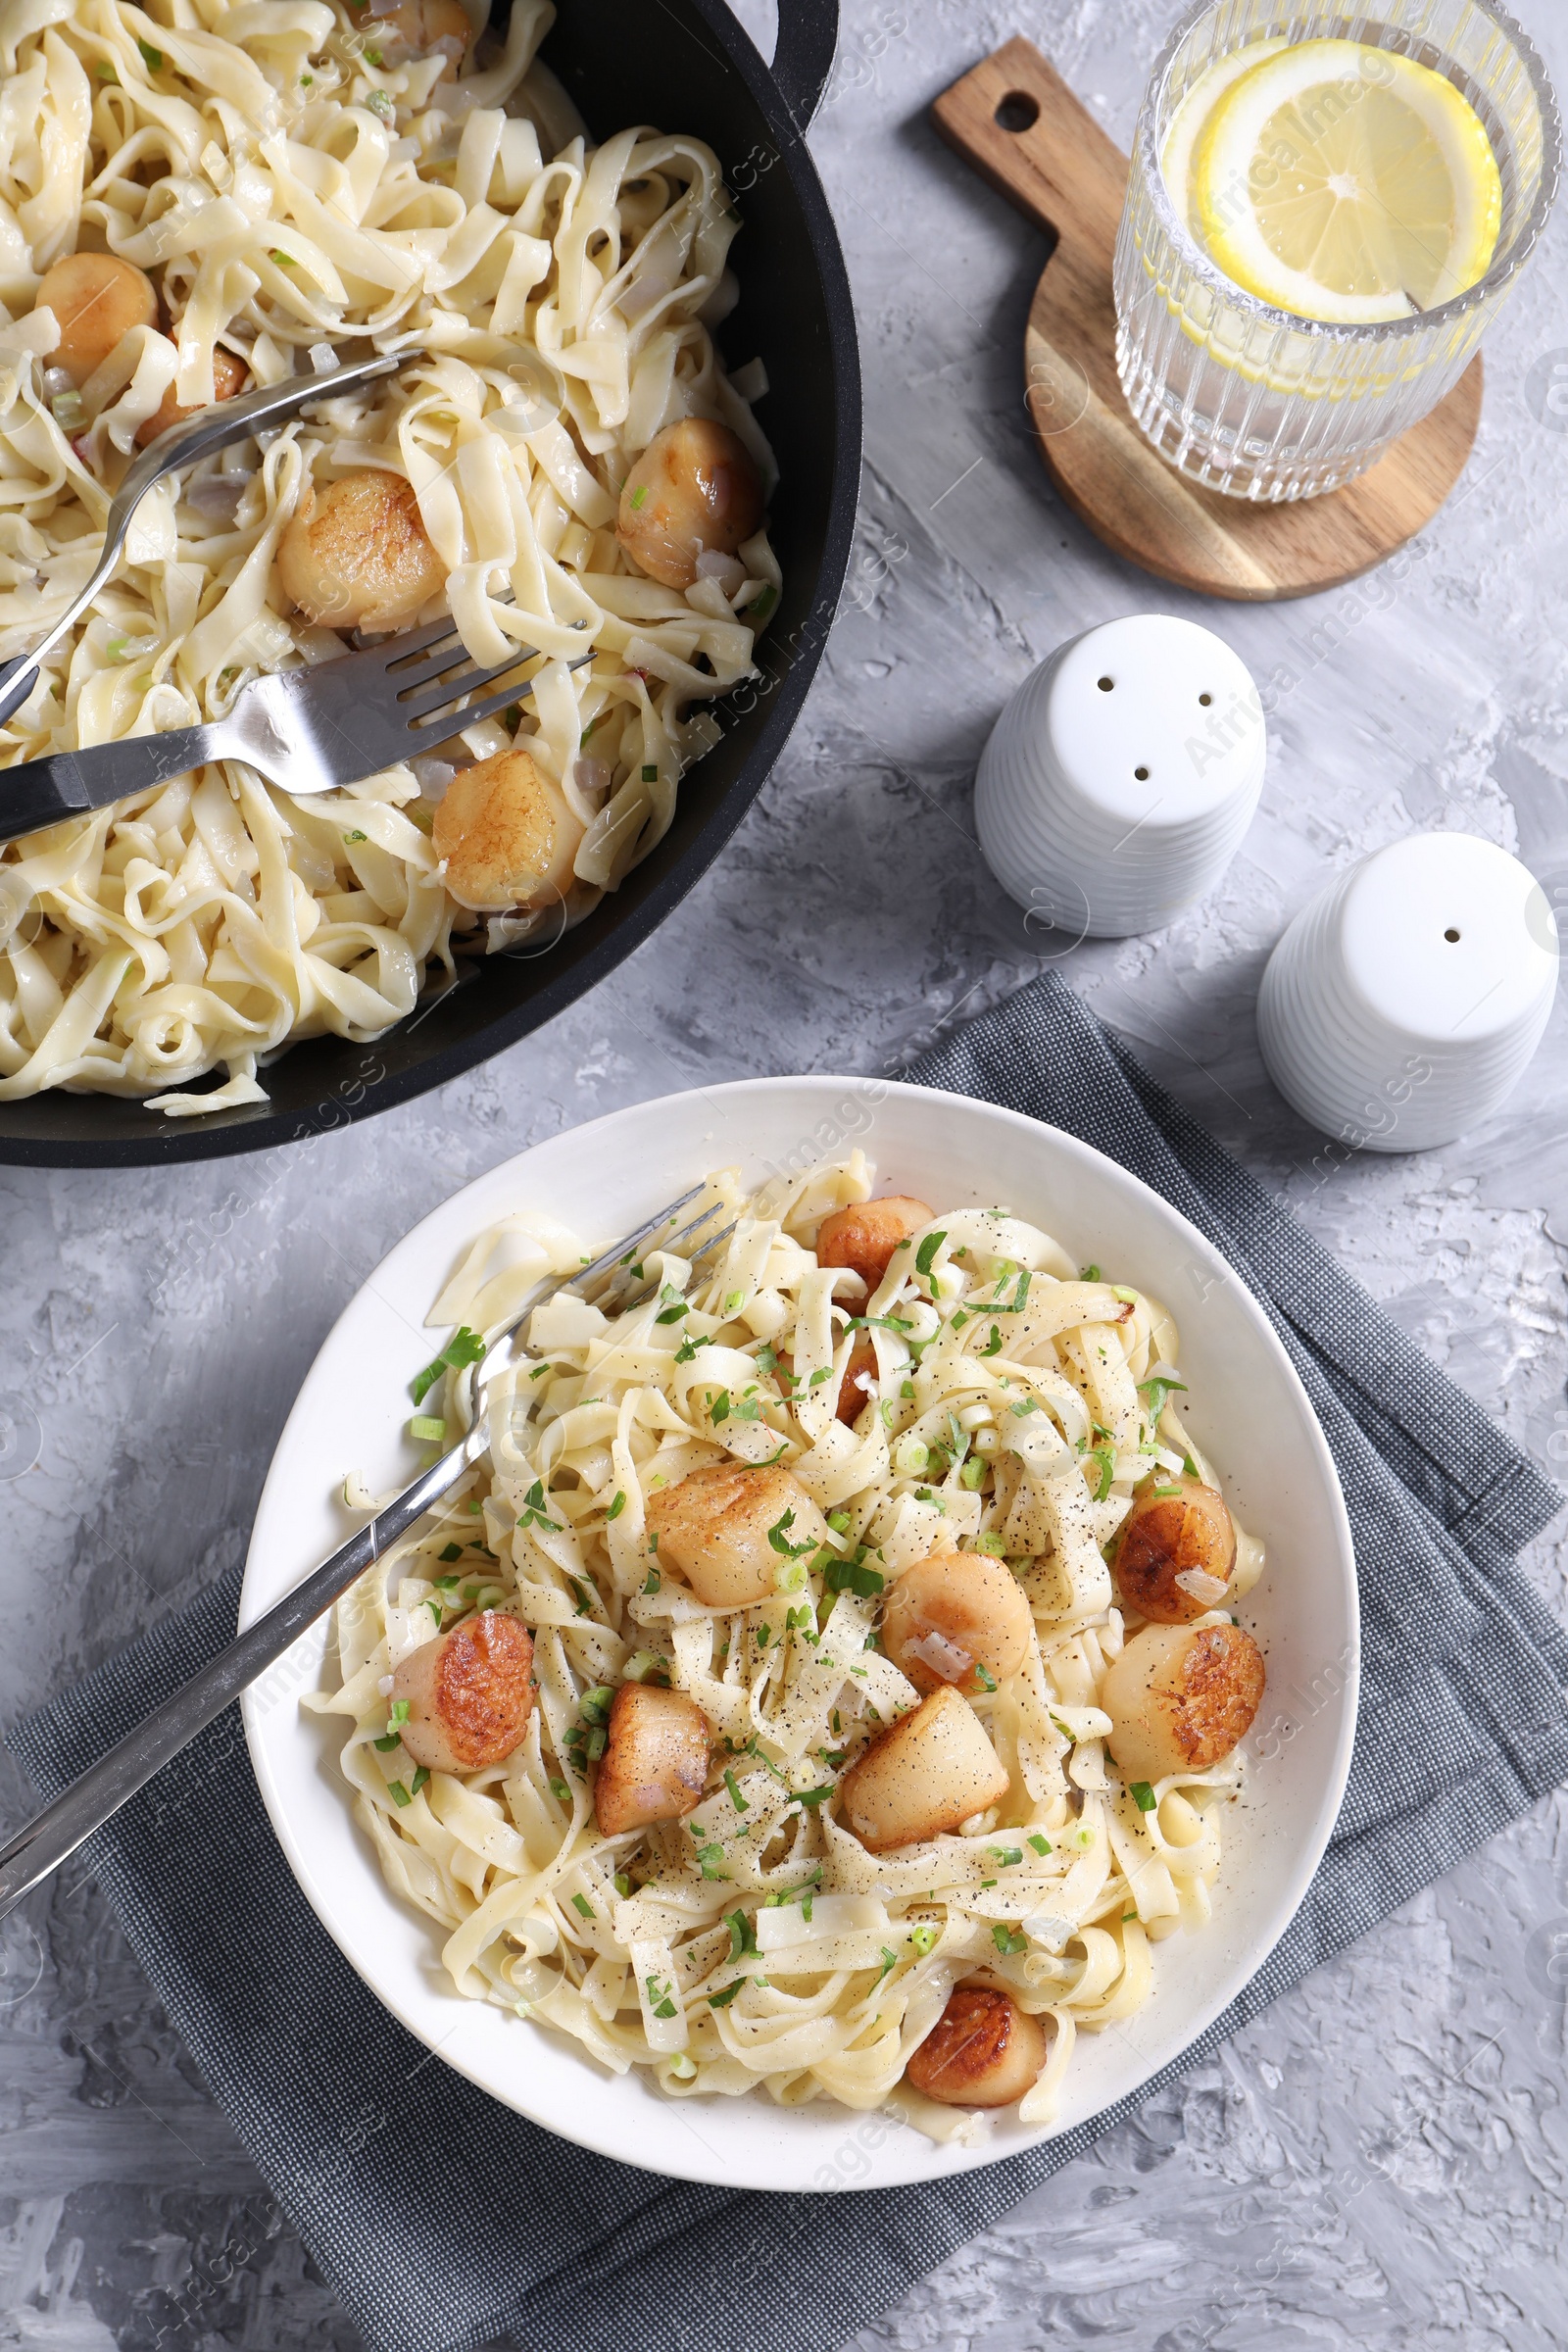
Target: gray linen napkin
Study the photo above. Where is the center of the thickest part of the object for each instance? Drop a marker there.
(443, 2221)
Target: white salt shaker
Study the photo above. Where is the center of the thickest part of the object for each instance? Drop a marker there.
(1120, 778)
(1401, 1007)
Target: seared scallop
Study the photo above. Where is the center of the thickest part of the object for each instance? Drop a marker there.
(957, 1617)
(1180, 1697)
(229, 377)
(97, 300)
(927, 1773)
(655, 1764)
(717, 1528)
(694, 490)
(356, 556)
(506, 834)
(1176, 1549)
(470, 1693)
(983, 2051)
(864, 1236)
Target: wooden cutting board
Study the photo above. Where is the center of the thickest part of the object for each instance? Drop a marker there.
(1062, 169)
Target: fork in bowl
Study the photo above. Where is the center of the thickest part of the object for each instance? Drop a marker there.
(612, 1281)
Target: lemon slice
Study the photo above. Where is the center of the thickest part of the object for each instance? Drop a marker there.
(1347, 183)
(1190, 118)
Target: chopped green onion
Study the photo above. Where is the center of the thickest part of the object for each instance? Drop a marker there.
(812, 1796)
(398, 1794)
(453, 1551)
(355, 836)
(639, 1666)
(419, 1781)
(740, 1803)
(560, 1792)
(842, 1576)
(1142, 1795)
(1005, 1854)
(639, 497)
(465, 1346)
(616, 1507)
(652, 1581)
(972, 1475)
(762, 606)
(890, 1960)
(427, 1430)
(1091, 1274)
(1166, 1492)
(580, 1902)
(1127, 1297)
(840, 1522)
(984, 1677)
(650, 774)
(1042, 1845)
(923, 1939)
(623, 1885)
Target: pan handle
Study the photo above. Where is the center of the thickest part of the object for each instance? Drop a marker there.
(808, 39)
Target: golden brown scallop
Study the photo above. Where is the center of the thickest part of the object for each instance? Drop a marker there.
(1177, 1527)
(927, 1773)
(229, 377)
(983, 2051)
(952, 1615)
(508, 835)
(1179, 1698)
(694, 490)
(356, 554)
(864, 1236)
(714, 1527)
(97, 300)
(470, 1693)
(655, 1764)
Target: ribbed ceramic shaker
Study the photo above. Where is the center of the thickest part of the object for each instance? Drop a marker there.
(1401, 1007)
(1118, 781)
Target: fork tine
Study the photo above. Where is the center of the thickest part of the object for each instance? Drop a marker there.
(425, 695)
(447, 716)
(403, 649)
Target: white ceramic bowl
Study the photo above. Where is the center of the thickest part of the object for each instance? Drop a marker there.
(1247, 1409)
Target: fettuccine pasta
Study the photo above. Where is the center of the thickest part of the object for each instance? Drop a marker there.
(960, 1446)
(287, 183)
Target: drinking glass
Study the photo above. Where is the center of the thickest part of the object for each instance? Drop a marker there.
(1258, 402)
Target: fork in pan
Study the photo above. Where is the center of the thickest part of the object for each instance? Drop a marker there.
(308, 730)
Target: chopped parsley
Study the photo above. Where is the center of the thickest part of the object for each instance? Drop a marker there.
(710, 1856)
(925, 1256)
(812, 1796)
(151, 58)
(463, 1347)
(723, 2000)
(533, 1513)
(652, 1581)
(740, 1805)
(1158, 1391)
(742, 1937)
(616, 1507)
(851, 1576)
(778, 1535)
(658, 2000)
(1106, 1473)
(1008, 1939)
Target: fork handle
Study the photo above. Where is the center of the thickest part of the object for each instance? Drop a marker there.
(45, 1841)
(40, 792)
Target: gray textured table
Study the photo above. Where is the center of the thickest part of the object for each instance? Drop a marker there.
(1382, 2160)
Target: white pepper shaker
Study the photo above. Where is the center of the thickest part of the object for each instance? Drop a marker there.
(1402, 1006)
(1120, 778)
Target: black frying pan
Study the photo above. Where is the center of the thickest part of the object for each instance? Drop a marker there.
(684, 64)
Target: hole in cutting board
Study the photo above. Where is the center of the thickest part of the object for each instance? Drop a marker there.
(1107, 685)
(1142, 773)
(1205, 700)
(1452, 935)
(1017, 112)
